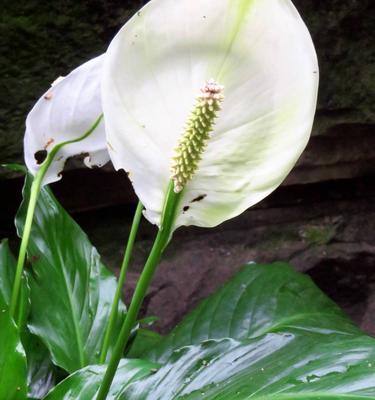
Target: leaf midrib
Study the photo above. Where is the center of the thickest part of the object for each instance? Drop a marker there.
(79, 340)
(82, 357)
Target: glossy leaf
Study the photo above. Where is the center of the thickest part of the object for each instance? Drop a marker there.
(277, 366)
(12, 360)
(71, 290)
(41, 373)
(7, 273)
(40, 370)
(258, 300)
(276, 337)
(83, 384)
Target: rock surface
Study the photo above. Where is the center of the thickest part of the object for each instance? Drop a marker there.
(325, 230)
(40, 41)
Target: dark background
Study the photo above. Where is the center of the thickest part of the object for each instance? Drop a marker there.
(321, 220)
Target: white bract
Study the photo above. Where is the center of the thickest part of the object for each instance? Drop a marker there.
(262, 54)
(65, 112)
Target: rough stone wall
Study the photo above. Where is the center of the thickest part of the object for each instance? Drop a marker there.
(343, 143)
(41, 40)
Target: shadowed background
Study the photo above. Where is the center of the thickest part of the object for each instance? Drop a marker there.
(321, 219)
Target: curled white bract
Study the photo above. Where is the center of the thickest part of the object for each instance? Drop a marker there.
(65, 112)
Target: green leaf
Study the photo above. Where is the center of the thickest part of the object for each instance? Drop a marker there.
(258, 300)
(269, 333)
(41, 373)
(83, 384)
(12, 360)
(40, 370)
(276, 366)
(15, 167)
(144, 341)
(7, 272)
(71, 290)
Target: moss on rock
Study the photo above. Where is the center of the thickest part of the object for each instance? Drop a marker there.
(40, 41)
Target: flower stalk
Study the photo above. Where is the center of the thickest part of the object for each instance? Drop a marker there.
(35, 189)
(161, 241)
(121, 280)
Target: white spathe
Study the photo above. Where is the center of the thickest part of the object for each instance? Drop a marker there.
(263, 55)
(65, 112)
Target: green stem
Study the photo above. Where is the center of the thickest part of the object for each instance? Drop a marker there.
(34, 193)
(161, 241)
(35, 187)
(121, 280)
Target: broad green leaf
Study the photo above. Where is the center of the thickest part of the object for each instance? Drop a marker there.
(83, 384)
(269, 333)
(258, 300)
(277, 337)
(71, 290)
(276, 366)
(12, 360)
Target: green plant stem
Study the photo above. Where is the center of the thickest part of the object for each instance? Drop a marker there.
(161, 241)
(121, 280)
(34, 193)
(35, 187)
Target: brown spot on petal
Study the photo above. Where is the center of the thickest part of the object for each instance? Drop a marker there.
(40, 156)
(199, 198)
(48, 96)
(186, 208)
(49, 142)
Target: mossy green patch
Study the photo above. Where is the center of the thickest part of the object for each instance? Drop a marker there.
(319, 234)
(40, 41)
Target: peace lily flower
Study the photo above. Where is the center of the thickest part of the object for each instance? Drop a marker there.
(256, 55)
(65, 112)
